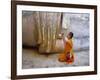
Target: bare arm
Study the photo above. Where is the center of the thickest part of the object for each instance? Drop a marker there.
(64, 40)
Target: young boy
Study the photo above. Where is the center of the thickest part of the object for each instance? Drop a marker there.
(67, 56)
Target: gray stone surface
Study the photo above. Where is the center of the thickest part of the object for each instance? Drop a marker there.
(33, 59)
(78, 23)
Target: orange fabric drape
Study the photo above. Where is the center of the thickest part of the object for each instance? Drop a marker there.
(67, 51)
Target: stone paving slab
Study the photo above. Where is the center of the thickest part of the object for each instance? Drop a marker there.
(32, 59)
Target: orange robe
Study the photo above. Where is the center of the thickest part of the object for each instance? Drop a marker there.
(67, 56)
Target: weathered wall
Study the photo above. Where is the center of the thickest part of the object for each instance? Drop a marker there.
(79, 25)
(29, 32)
(43, 28)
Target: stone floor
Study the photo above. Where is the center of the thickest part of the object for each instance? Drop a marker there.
(32, 59)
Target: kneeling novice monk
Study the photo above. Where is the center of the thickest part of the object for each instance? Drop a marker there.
(67, 56)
